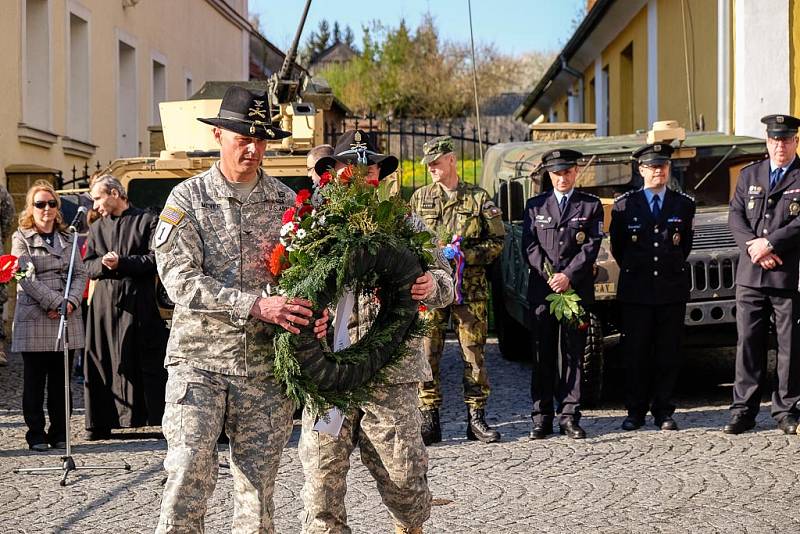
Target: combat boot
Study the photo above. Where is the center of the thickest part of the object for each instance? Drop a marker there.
(478, 429)
(400, 529)
(431, 429)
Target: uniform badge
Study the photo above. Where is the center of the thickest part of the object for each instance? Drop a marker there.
(634, 238)
(168, 220)
(580, 237)
(794, 208)
(676, 239)
(751, 204)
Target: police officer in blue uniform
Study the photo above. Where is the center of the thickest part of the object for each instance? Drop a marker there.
(651, 237)
(764, 221)
(563, 227)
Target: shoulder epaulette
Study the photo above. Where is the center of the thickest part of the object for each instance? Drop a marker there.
(751, 164)
(690, 197)
(625, 195)
(589, 195)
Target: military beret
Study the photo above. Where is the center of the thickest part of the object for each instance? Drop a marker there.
(781, 125)
(438, 146)
(655, 153)
(560, 159)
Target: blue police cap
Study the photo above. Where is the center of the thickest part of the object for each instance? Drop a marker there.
(781, 125)
(655, 153)
(560, 159)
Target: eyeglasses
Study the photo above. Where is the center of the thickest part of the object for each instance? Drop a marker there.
(40, 204)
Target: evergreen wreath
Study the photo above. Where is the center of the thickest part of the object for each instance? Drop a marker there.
(350, 234)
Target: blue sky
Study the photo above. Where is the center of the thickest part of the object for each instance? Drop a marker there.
(514, 26)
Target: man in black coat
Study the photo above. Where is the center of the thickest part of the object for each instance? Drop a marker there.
(126, 337)
(563, 227)
(764, 221)
(651, 237)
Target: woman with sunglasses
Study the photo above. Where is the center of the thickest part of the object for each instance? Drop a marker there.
(42, 240)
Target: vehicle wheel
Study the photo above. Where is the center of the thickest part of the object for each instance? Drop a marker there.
(593, 359)
(512, 338)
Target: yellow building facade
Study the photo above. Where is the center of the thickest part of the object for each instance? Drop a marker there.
(83, 78)
(704, 63)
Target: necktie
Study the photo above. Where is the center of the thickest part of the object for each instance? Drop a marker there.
(774, 177)
(656, 206)
(563, 204)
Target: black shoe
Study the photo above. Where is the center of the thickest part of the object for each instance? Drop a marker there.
(39, 447)
(541, 429)
(739, 423)
(59, 445)
(668, 423)
(431, 428)
(97, 434)
(572, 429)
(632, 423)
(477, 429)
(788, 424)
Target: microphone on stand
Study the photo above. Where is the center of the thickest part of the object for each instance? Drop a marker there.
(82, 210)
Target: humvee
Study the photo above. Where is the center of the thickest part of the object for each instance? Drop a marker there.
(705, 166)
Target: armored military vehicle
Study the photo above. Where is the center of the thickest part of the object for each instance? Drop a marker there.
(705, 166)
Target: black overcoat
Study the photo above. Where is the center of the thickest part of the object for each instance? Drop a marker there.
(125, 334)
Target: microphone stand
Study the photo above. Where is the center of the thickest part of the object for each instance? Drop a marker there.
(62, 341)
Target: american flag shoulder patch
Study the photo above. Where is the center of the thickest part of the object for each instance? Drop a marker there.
(171, 214)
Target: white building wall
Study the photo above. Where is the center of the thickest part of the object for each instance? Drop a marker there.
(761, 63)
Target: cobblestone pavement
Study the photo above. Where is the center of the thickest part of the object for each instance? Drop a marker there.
(694, 480)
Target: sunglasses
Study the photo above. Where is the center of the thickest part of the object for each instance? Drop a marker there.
(40, 204)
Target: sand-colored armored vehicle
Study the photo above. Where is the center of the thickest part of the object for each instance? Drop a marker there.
(705, 166)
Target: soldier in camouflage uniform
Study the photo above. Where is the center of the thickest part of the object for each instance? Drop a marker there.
(451, 207)
(385, 428)
(7, 215)
(210, 245)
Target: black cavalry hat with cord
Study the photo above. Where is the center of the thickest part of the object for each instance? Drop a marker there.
(355, 147)
(246, 113)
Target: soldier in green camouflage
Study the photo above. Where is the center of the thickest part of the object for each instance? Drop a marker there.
(7, 215)
(211, 242)
(464, 214)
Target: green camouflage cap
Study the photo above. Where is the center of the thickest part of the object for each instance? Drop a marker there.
(438, 146)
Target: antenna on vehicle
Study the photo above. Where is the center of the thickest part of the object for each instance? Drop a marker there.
(475, 79)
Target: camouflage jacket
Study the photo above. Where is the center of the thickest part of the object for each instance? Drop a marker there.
(415, 368)
(210, 250)
(473, 216)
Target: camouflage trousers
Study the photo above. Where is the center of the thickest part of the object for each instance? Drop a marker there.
(387, 430)
(257, 418)
(470, 322)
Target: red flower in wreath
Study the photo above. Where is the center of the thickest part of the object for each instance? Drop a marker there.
(9, 265)
(346, 174)
(278, 260)
(324, 178)
(372, 181)
(304, 210)
(302, 196)
(288, 216)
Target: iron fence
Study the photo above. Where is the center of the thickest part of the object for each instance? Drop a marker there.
(404, 138)
(79, 177)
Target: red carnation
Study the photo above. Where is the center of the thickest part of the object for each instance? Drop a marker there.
(302, 196)
(304, 210)
(423, 308)
(372, 182)
(288, 216)
(9, 264)
(324, 178)
(583, 327)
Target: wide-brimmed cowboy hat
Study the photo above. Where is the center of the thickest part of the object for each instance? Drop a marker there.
(355, 147)
(246, 113)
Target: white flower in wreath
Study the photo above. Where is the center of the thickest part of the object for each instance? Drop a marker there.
(300, 234)
(30, 271)
(286, 228)
(284, 242)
